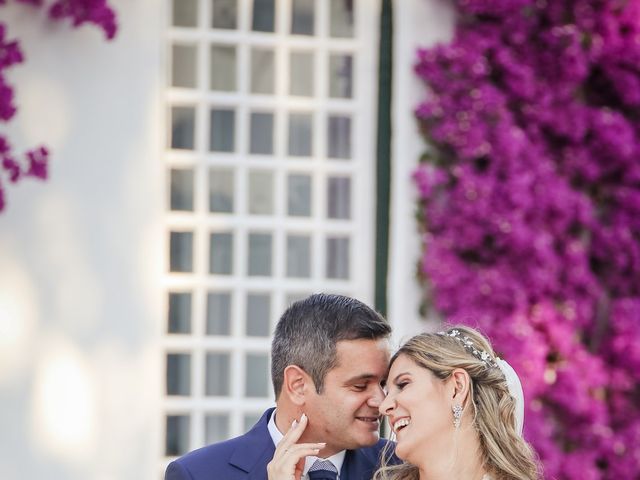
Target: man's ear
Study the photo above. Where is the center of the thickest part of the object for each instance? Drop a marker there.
(296, 384)
(460, 385)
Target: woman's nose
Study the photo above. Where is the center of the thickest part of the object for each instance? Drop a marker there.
(386, 406)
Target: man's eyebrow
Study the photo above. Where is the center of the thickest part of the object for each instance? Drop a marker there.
(361, 377)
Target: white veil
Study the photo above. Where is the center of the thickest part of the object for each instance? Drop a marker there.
(515, 389)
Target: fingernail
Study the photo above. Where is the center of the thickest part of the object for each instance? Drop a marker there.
(304, 416)
(294, 423)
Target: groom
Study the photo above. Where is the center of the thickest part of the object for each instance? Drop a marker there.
(329, 357)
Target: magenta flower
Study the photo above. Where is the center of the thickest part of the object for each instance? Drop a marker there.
(530, 200)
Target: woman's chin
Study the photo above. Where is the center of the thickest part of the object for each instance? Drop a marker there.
(401, 452)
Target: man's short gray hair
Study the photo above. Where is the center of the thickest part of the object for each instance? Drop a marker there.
(308, 331)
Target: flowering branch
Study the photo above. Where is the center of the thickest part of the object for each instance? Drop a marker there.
(531, 211)
(35, 161)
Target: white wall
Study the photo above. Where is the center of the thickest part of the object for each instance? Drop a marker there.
(81, 254)
(417, 23)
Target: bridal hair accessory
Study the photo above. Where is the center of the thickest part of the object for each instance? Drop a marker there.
(510, 375)
(468, 344)
(457, 415)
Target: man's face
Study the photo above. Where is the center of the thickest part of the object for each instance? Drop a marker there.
(345, 415)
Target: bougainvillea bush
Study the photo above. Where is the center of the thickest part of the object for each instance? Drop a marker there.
(33, 163)
(530, 199)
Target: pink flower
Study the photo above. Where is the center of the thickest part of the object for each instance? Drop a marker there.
(531, 210)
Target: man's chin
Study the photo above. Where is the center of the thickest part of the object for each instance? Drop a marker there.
(362, 441)
(370, 439)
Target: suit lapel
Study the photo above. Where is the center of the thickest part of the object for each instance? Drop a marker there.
(256, 451)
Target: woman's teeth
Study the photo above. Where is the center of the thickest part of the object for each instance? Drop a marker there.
(403, 422)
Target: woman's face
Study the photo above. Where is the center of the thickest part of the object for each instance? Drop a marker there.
(418, 406)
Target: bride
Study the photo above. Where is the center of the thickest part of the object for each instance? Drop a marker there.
(456, 411)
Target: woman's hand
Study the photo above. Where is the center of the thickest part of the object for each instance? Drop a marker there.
(288, 460)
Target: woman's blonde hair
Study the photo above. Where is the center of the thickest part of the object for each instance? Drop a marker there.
(505, 454)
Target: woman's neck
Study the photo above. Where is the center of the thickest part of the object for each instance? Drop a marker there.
(459, 458)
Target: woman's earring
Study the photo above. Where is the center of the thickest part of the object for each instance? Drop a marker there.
(457, 415)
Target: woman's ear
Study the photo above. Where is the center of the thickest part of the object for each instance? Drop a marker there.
(460, 383)
(295, 385)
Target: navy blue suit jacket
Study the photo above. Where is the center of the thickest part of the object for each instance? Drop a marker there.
(246, 458)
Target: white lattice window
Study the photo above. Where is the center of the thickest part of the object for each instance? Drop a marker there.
(270, 191)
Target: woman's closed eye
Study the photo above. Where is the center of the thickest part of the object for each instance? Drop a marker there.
(400, 385)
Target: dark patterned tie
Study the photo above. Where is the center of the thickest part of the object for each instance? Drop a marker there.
(323, 470)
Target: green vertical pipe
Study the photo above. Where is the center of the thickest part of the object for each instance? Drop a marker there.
(383, 155)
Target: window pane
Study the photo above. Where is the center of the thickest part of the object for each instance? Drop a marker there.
(183, 121)
(181, 251)
(259, 254)
(260, 193)
(301, 74)
(225, 14)
(179, 312)
(340, 76)
(183, 66)
(222, 132)
(341, 18)
(300, 139)
(263, 15)
(223, 68)
(250, 419)
(256, 379)
(339, 198)
(298, 256)
(338, 258)
(299, 195)
(339, 137)
(302, 17)
(261, 133)
(262, 71)
(221, 253)
(220, 190)
(216, 428)
(185, 13)
(178, 374)
(258, 315)
(217, 374)
(178, 433)
(181, 189)
(218, 313)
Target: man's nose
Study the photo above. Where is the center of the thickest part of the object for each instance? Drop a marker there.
(376, 399)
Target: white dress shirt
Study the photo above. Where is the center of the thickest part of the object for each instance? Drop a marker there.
(276, 435)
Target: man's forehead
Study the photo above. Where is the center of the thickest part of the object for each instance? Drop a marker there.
(362, 358)
(371, 344)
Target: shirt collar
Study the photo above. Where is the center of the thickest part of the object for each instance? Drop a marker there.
(337, 459)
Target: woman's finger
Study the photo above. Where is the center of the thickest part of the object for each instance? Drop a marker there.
(296, 449)
(289, 457)
(294, 433)
(287, 464)
(292, 455)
